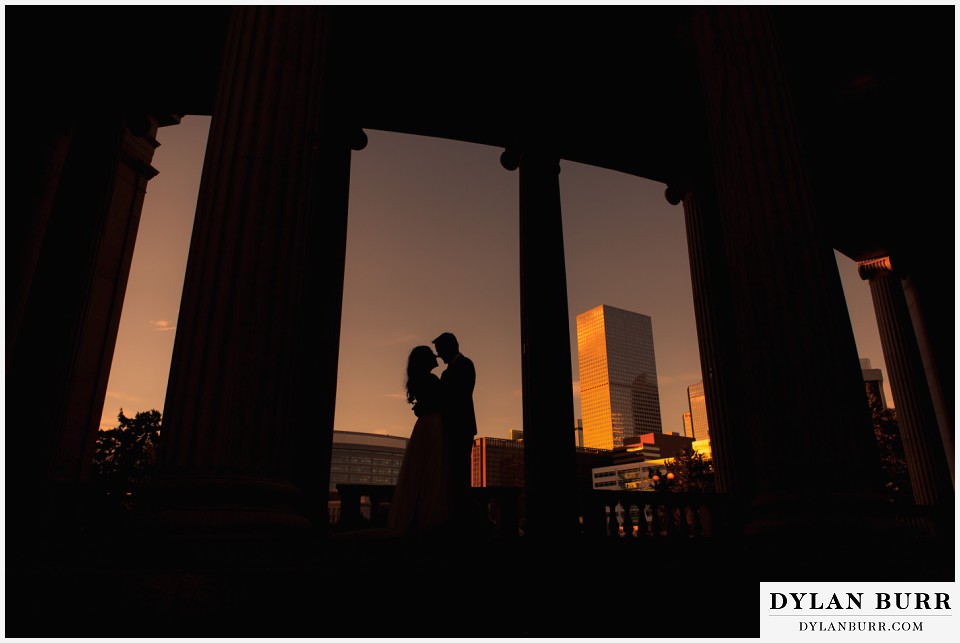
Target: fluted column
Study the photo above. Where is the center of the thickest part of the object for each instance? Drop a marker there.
(926, 463)
(801, 382)
(98, 336)
(936, 350)
(31, 203)
(545, 343)
(253, 376)
(719, 361)
(59, 361)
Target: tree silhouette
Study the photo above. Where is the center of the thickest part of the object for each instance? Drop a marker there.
(126, 455)
(690, 472)
(893, 463)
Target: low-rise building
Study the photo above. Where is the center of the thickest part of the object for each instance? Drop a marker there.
(363, 458)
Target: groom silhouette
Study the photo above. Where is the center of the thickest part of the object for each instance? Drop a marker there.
(459, 420)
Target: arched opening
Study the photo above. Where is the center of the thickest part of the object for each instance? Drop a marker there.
(626, 247)
(431, 248)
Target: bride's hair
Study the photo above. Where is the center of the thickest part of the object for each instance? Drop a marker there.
(421, 361)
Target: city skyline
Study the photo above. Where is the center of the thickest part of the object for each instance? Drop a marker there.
(433, 247)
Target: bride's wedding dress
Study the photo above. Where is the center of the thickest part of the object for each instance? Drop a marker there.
(421, 498)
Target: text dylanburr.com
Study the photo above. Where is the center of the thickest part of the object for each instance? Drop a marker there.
(802, 611)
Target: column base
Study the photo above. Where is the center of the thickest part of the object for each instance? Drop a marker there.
(223, 505)
(847, 536)
(227, 520)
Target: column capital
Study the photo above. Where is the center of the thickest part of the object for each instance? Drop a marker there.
(357, 138)
(512, 158)
(339, 134)
(872, 267)
(676, 190)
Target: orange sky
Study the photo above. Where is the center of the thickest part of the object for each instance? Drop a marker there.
(432, 246)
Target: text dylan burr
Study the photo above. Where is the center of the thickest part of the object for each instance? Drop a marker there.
(884, 600)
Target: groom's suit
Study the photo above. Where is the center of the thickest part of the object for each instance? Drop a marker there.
(459, 420)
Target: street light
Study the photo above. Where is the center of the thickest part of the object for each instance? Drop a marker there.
(661, 483)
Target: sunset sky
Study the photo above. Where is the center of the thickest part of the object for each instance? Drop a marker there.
(433, 246)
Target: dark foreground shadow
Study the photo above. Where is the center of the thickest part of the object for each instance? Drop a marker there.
(388, 587)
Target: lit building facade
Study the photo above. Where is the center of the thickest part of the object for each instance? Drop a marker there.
(629, 475)
(698, 411)
(703, 448)
(631, 469)
(497, 462)
(650, 446)
(365, 458)
(619, 396)
(687, 423)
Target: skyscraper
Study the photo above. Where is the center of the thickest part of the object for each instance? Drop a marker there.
(618, 376)
(698, 411)
(688, 422)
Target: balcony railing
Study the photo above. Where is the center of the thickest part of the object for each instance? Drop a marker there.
(500, 503)
(652, 514)
(666, 515)
(602, 513)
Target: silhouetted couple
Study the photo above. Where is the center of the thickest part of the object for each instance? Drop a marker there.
(432, 495)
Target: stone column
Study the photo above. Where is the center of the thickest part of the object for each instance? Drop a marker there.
(929, 472)
(250, 399)
(80, 252)
(30, 203)
(545, 343)
(98, 336)
(936, 347)
(716, 332)
(801, 385)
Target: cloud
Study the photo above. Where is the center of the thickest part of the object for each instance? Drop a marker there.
(162, 325)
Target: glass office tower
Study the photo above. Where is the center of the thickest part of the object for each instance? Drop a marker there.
(618, 376)
(698, 411)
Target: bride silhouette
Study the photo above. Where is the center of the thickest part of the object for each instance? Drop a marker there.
(422, 496)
